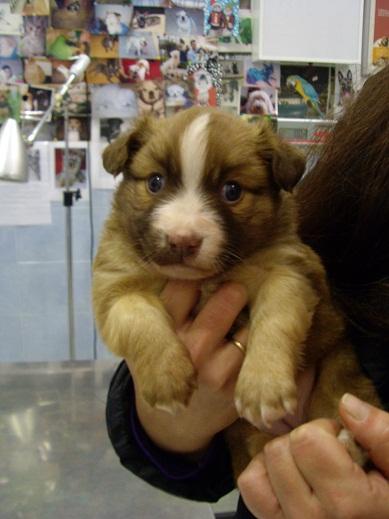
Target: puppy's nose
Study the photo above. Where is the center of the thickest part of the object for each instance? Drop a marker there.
(184, 245)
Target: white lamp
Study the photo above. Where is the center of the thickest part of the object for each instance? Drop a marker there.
(13, 153)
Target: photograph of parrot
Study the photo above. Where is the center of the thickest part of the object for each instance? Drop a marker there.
(62, 48)
(302, 87)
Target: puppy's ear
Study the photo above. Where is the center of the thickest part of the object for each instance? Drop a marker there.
(286, 163)
(118, 155)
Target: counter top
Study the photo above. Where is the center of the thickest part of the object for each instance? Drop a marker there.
(56, 461)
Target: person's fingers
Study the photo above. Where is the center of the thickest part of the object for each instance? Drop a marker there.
(223, 365)
(323, 460)
(294, 494)
(179, 298)
(256, 490)
(370, 427)
(214, 321)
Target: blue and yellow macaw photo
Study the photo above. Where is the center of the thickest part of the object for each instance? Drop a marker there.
(302, 87)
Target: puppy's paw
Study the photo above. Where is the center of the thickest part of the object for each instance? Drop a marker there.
(169, 386)
(262, 400)
(356, 452)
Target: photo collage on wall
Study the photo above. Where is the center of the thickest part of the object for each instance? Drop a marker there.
(151, 56)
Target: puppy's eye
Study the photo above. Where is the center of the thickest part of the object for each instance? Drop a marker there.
(231, 191)
(155, 182)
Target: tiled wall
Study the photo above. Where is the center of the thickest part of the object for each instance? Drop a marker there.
(33, 285)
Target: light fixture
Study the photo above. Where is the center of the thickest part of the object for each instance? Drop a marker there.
(13, 153)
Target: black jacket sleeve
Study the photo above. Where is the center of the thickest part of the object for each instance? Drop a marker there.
(208, 479)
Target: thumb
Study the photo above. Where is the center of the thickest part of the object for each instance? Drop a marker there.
(370, 427)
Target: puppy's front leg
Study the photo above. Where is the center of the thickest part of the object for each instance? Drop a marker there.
(281, 316)
(138, 328)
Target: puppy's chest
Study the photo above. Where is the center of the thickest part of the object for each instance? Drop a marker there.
(250, 276)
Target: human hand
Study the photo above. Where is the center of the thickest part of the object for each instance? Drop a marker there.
(217, 362)
(309, 473)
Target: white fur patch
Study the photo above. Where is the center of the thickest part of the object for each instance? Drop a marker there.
(187, 214)
(193, 151)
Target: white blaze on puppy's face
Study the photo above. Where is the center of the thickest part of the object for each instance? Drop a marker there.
(187, 213)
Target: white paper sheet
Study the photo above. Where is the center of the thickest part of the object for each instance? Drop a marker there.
(24, 204)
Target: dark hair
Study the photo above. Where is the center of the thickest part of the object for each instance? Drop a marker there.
(344, 210)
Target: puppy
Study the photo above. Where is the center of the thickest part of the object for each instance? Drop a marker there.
(206, 196)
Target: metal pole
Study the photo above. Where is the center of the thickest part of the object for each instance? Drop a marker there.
(68, 230)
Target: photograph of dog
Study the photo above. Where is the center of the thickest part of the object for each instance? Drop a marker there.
(149, 19)
(140, 70)
(38, 71)
(231, 94)
(113, 19)
(78, 129)
(103, 71)
(104, 46)
(171, 67)
(33, 39)
(71, 14)
(346, 87)
(114, 101)
(184, 22)
(139, 45)
(151, 98)
(195, 205)
(76, 173)
(232, 68)
(203, 88)
(136, 70)
(178, 94)
(258, 101)
(35, 99)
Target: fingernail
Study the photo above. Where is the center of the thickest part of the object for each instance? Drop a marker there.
(356, 408)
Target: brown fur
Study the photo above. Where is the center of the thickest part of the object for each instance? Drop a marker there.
(293, 322)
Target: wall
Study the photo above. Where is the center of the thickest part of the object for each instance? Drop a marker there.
(33, 281)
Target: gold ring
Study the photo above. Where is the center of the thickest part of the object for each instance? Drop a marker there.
(239, 345)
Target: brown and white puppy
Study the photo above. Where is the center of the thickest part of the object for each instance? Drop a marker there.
(205, 197)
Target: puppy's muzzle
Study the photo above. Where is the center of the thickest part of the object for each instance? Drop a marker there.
(184, 246)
